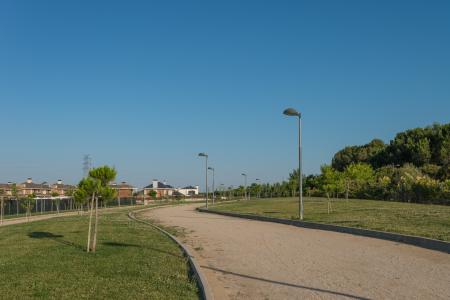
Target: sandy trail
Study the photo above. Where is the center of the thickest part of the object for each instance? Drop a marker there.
(244, 259)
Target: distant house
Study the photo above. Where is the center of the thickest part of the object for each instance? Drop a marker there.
(6, 189)
(61, 188)
(189, 190)
(39, 189)
(161, 188)
(124, 190)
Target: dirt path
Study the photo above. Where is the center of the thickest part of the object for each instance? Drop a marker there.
(13, 221)
(244, 259)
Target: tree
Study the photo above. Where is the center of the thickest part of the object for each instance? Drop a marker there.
(152, 194)
(56, 199)
(331, 182)
(2, 205)
(357, 176)
(293, 182)
(27, 203)
(15, 194)
(368, 153)
(102, 177)
(87, 189)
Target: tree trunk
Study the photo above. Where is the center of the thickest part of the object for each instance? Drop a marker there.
(1, 212)
(328, 203)
(28, 210)
(90, 222)
(94, 246)
(347, 190)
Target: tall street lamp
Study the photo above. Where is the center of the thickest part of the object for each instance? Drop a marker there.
(294, 113)
(245, 185)
(213, 189)
(206, 175)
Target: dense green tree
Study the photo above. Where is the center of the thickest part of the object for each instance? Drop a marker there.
(358, 154)
(357, 176)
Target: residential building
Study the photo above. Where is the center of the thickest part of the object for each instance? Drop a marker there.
(189, 191)
(29, 187)
(6, 189)
(161, 188)
(62, 189)
(124, 190)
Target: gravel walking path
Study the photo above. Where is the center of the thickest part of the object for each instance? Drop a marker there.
(245, 259)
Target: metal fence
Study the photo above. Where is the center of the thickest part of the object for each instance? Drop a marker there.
(44, 206)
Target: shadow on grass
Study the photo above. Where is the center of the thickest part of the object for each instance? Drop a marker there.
(54, 237)
(124, 245)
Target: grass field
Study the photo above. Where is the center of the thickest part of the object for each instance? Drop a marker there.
(46, 259)
(432, 221)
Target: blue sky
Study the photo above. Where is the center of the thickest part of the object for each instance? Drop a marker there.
(146, 85)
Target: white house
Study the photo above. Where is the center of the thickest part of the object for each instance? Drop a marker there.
(188, 191)
(161, 188)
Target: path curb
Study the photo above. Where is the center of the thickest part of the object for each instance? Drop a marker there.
(406, 239)
(200, 278)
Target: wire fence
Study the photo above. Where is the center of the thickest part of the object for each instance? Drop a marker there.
(16, 208)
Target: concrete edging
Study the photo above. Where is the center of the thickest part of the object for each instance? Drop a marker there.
(201, 279)
(426, 243)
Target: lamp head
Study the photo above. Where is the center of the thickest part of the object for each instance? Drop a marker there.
(210, 168)
(291, 112)
(203, 154)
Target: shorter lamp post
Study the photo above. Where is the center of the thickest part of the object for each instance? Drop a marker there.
(206, 175)
(245, 185)
(213, 189)
(222, 191)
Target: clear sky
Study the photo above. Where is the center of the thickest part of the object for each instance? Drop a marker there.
(146, 85)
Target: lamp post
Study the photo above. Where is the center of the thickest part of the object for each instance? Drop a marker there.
(257, 180)
(222, 191)
(245, 185)
(206, 175)
(213, 189)
(294, 113)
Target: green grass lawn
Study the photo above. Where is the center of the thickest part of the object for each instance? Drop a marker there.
(47, 259)
(432, 221)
